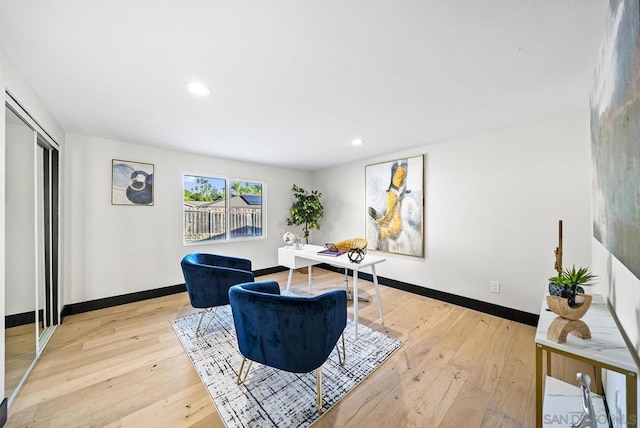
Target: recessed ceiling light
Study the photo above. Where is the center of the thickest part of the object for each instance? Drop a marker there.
(197, 88)
(357, 142)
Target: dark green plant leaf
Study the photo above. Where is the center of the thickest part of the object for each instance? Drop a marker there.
(306, 211)
(574, 276)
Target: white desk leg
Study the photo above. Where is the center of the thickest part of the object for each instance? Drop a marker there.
(346, 280)
(355, 302)
(375, 284)
(309, 279)
(289, 280)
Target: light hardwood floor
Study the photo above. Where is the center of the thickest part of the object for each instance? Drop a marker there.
(124, 367)
(19, 353)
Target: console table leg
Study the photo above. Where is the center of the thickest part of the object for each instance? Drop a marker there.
(539, 383)
(597, 374)
(548, 363)
(632, 400)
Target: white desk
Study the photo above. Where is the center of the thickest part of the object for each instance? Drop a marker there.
(308, 256)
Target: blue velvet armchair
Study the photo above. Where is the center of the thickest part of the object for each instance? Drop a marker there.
(290, 333)
(208, 278)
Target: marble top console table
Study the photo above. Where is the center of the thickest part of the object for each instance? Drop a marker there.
(606, 349)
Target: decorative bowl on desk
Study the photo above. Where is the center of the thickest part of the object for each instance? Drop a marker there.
(560, 306)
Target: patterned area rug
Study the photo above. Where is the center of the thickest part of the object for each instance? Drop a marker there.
(271, 397)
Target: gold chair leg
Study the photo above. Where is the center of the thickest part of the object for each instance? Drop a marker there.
(242, 377)
(215, 310)
(200, 322)
(342, 359)
(202, 314)
(319, 388)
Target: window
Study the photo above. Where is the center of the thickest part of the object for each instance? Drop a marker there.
(217, 209)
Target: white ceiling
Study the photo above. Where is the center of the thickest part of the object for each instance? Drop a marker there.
(294, 81)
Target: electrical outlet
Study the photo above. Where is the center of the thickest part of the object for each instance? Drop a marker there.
(495, 287)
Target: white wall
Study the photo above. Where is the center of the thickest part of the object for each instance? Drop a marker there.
(493, 202)
(622, 289)
(2, 226)
(115, 249)
(20, 88)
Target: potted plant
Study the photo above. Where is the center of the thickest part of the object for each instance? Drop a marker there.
(569, 282)
(306, 211)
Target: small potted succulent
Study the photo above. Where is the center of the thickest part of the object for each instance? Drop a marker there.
(569, 283)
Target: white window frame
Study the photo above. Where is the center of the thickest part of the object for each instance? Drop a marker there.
(227, 221)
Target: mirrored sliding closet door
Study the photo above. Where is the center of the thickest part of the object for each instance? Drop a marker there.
(31, 245)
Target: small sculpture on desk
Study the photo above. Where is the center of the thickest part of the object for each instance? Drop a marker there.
(289, 239)
(356, 255)
(588, 418)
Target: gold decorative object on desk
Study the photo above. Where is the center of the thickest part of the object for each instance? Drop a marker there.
(348, 244)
